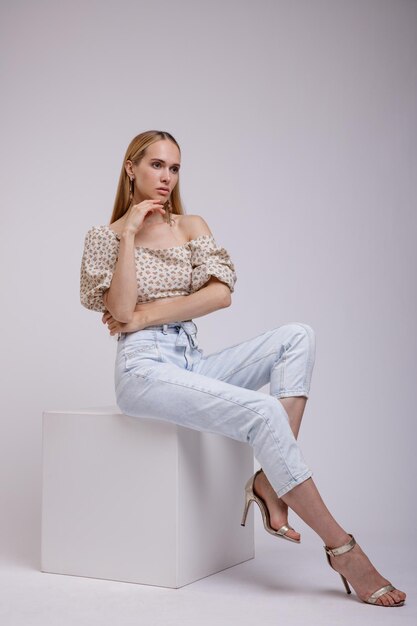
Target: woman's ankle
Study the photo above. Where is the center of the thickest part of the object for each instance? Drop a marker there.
(336, 539)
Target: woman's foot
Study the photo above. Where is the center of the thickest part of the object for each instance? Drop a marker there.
(363, 577)
(278, 510)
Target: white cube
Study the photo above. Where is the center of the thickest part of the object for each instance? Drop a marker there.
(141, 500)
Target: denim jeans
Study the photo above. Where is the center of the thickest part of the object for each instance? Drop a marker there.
(162, 373)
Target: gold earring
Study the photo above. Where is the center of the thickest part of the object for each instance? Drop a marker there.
(131, 188)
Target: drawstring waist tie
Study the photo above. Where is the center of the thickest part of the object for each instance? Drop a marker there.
(187, 332)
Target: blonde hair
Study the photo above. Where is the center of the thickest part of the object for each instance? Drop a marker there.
(135, 152)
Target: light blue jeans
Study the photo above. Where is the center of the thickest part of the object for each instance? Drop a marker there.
(161, 373)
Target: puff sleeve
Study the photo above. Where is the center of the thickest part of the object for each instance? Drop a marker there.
(97, 267)
(208, 259)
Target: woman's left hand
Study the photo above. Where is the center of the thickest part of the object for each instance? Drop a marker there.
(115, 327)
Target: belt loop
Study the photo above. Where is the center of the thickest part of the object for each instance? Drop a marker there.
(165, 329)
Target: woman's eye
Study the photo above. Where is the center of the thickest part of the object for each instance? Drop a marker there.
(175, 169)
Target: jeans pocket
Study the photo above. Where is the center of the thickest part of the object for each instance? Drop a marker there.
(141, 352)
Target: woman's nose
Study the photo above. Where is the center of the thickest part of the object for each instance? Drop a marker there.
(165, 175)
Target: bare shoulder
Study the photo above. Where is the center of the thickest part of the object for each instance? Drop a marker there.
(194, 226)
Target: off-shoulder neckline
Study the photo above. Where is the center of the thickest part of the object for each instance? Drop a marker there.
(105, 226)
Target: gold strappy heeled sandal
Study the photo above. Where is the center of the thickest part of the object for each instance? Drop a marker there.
(374, 596)
(251, 496)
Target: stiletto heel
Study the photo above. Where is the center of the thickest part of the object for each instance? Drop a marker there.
(246, 509)
(374, 596)
(250, 496)
(346, 584)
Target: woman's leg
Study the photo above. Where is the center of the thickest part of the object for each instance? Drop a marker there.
(277, 508)
(284, 357)
(306, 501)
(295, 409)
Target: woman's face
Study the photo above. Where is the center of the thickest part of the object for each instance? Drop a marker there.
(158, 170)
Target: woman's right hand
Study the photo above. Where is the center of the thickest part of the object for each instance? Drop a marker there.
(137, 213)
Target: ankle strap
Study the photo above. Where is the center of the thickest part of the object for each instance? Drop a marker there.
(342, 549)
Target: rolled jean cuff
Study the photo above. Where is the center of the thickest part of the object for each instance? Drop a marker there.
(294, 482)
(291, 393)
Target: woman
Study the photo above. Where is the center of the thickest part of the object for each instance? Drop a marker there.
(153, 270)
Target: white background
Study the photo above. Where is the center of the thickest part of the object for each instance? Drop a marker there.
(297, 125)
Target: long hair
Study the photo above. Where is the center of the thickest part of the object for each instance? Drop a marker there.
(135, 152)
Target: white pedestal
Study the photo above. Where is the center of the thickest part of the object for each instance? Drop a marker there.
(141, 500)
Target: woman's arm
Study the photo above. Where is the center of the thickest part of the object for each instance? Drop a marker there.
(122, 295)
(215, 295)
(120, 298)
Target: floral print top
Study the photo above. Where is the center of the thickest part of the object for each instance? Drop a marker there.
(160, 272)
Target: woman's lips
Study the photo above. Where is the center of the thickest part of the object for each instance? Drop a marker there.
(165, 191)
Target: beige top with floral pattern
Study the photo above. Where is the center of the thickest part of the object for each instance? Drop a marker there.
(160, 272)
